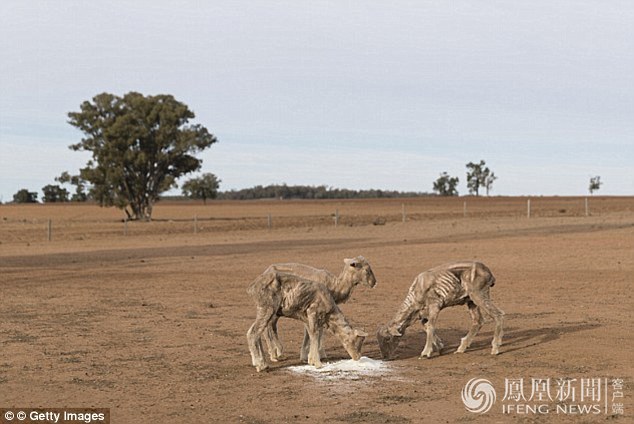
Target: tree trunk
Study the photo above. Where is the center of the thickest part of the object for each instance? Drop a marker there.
(141, 210)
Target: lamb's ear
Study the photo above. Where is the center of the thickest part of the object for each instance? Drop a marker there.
(350, 262)
(394, 332)
(360, 333)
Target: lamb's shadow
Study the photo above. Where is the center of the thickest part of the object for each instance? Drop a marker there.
(515, 339)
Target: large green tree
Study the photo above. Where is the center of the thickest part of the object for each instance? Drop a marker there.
(140, 146)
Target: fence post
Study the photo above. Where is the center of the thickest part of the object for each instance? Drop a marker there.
(403, 212)
(49, 230)
(587, 209)
(269, 221)
(528, 208)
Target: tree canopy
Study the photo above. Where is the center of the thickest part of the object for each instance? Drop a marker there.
(53, 193)
(446, 185)
(203, 187)
(140, 146)
(479, 175)
(283, 191)
(595, 184)
(25, 196)
(80, 194)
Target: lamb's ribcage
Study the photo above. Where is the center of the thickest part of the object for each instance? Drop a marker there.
(447, 288)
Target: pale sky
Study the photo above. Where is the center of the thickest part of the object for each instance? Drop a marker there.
(351, 94)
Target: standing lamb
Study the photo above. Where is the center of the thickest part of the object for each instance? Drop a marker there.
(355, 271)
(281, 294)
(447, 285)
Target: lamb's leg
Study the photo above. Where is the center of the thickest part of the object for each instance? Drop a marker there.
(253, 345)
(254, 337)
(273, 341)
(498, 316)
(303, 352)
(476, 324)
(484, 302)
(313, 334)
(430, 327)
(438, 343)
(322, 351)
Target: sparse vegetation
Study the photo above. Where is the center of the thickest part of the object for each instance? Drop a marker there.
(80, 184)
(203, 187)
(54, 194)
(479, 175)
(595, 184)
(310, 192)
(446, 185)
(25, 196)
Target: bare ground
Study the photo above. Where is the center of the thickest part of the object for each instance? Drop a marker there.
(153, 325)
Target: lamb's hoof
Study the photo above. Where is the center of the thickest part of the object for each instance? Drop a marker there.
(425, 355)
(278, 358)
(495, 351)
(260, 368)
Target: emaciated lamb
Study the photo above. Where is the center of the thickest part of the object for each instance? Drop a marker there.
(281, 294)
(355, 271)
(447, 285)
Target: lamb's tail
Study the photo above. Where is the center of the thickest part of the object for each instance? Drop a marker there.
(474, 271)
(263, 281)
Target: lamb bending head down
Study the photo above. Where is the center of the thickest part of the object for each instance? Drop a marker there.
(388, 339)
(351, 338)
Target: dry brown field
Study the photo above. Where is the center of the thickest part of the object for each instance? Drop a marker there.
(149, 319)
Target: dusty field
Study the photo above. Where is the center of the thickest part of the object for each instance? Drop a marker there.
(152, 324)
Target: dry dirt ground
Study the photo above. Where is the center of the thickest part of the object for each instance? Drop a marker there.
(152, 324)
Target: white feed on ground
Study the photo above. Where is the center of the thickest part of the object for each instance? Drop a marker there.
(347, 369)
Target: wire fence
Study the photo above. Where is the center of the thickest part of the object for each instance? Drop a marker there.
(71, 222)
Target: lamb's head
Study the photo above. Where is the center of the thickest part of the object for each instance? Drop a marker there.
(353, 342)
(352, 339)
(388, 339)
(360, 271)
